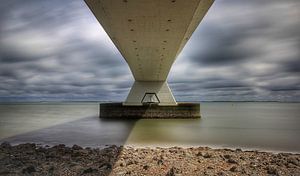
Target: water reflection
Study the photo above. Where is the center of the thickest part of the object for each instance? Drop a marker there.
(90, 131)
(266, 126)
(163, 131)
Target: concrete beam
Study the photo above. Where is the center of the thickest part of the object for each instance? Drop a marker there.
(149, 34)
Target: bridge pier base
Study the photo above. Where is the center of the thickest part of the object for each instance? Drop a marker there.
(161, 90)
(151, 111)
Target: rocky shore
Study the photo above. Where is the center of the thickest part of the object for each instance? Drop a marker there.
(32, 159)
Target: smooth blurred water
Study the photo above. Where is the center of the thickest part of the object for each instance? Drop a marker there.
(262, 126)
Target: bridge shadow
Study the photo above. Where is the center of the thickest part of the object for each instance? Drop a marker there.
(109, 135)
(87, 132)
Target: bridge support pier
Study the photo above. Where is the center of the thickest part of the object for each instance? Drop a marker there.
(150, 111)
(154, 92)
(150, 99)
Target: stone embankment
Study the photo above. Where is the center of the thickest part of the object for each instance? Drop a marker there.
(32, 159)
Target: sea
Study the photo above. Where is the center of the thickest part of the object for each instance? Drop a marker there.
(262, 126)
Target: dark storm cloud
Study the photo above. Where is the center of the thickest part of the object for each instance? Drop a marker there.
(56, 50)
(292, 66)
(8, 57)
(223, 50)
(248, 47)
(227, 39)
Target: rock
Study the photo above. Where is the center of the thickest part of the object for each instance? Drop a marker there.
(272, 170)
(227, 156)
(174, 172)
(210, 167)
(220, 173)
(227, 149)
(51, 169)
(83, 152)
(41, 150)
(173, 151)
(238, 150)
(76, 147)
(4, 171)
(105, 166)
(199, 154)
(61, 146)
(29, 170)
(145, 167)
(207, 155)
(233, 169)
(5, 145)
(160, 162)
(188, 154)
(130, 162)
(25, 159)
(26, 146)
(128, 173)
(289, 165)
(122, 173)
(31, 145)
(89, 170)
(231, 161)
(50, 155)
(122, 164)
(293, 160)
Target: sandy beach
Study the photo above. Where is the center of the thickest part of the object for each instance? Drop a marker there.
(32, 159)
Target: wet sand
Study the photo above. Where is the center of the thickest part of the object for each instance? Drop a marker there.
(32, 159)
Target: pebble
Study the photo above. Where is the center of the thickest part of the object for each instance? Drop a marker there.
(272, 170)
(232, 161)
(160, 162)
(29, 159)
(146, 167)
(207, 155)
(227, 156)
(174, 172)
(122, 173)
(89, 170)
(5, 145)
(76, 147)
(293, 160)
(29, 170)
(105, 166)
(233, 168)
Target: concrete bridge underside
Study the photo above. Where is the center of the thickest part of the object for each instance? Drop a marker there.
(149, 34)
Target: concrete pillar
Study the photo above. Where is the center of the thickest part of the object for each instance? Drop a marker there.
(155, 89)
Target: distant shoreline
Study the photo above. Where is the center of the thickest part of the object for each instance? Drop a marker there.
(40, 102)
(117, 160)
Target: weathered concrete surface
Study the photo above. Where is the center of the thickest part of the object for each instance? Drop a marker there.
(180, 111)
(160, 88)
(149, 34)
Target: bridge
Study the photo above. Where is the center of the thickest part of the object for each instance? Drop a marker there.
(149, 34)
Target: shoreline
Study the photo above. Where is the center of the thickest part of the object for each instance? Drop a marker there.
(162, 146)
(214, 147)
(33, 159)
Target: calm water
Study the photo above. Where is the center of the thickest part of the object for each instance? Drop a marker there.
(262, 126)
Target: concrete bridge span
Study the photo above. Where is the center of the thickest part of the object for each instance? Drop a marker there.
(149, 34)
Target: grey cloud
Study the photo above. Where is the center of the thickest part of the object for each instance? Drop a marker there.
(56, 50)
(246, 47)
(292, 66)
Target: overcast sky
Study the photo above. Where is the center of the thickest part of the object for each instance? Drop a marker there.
(243, 50)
